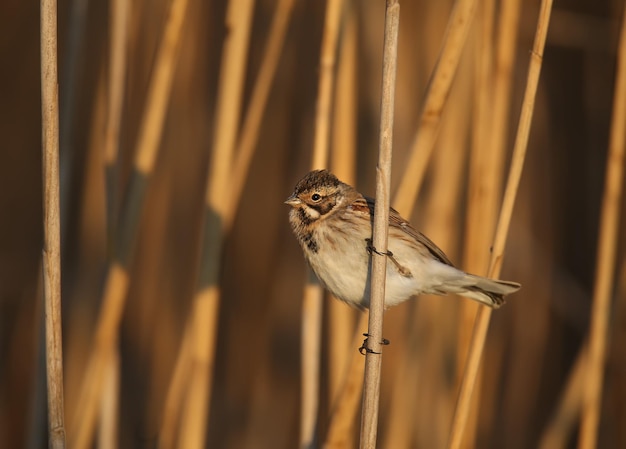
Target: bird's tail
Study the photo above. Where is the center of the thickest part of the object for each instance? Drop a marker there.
(490, 292)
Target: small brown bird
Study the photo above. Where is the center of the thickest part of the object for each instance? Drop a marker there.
(333, 223)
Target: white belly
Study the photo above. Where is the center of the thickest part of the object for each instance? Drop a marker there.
(345, 268)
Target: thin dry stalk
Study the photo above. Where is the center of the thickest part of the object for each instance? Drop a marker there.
(373, 360)
(258, 102)
(438, 90)
(343, 163)
(313, 296)
(244, 153)
(485, 163)
(347, 403)
(207, 297)
(83, 423)
(506, 43)
(442, 210)
(71, 73)
(495, 143)
(160, 88)
(117, 281)
(109, 407)
(328, 56)
(519, 154)
(607, 248)
(117, 73)
(310, 347)
(175, 393)
(560, 427)
(484, 187)
(617, 353)
(51, 253)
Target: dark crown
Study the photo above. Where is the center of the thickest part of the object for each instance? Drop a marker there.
(316, 179)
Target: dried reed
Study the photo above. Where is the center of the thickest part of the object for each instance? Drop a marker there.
(484, 186)
(117, 281)
(244, 153)
(108, 434)
(435, 100)
(373, 360)
(406, 426)
(439, 86)
(567, 413)
(606, 255)
(51, 253)
(119, 11)
(204, 318)
(312, 299)
(519, 153)
(248, 138)
(346, 405)
(343, 158)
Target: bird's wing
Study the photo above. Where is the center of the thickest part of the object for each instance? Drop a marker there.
(395, 219)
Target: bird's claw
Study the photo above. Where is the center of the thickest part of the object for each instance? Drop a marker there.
(364, 349)
(372, 249)
(401, 269)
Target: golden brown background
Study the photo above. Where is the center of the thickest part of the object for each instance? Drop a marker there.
(533, 341)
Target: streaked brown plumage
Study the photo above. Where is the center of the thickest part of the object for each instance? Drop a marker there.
(333, 224)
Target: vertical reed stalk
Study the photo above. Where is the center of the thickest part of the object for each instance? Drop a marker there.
(207, 296)
(117, 74)
(506, 43)
(415, 370)
(109, 407)
(559, 428)
(343, 163)
(71, 72)
(519, 153)
(617, 352)
(373, 360)
(347, 403)
(485, 164)
(328, 60)
(484, 186)
(436, 96)
(243, 157)
(118, 281)
(175, 393)
(605, 262)
(496, 139)
(312, 299)
(51, 254)
(247, 141)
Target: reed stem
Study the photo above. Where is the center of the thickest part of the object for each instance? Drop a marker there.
(606, 255)
(436, 96)
(312, 300)
(204, 319)
(479, 333)
(118, 279)
(373, 361)
(51, 253)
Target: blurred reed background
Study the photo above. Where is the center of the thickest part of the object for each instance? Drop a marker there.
(182, 304)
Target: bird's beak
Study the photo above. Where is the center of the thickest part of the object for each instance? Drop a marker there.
(293, 200)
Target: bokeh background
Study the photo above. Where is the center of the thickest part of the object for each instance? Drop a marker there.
(533, 342)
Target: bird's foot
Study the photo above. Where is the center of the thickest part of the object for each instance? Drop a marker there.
(401, 269)
(372, 249)
(365, 349)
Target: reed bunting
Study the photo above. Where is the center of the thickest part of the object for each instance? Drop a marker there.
(333, 224)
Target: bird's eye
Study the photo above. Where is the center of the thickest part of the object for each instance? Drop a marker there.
(316, 197)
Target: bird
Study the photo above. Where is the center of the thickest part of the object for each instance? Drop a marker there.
(333, 222)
